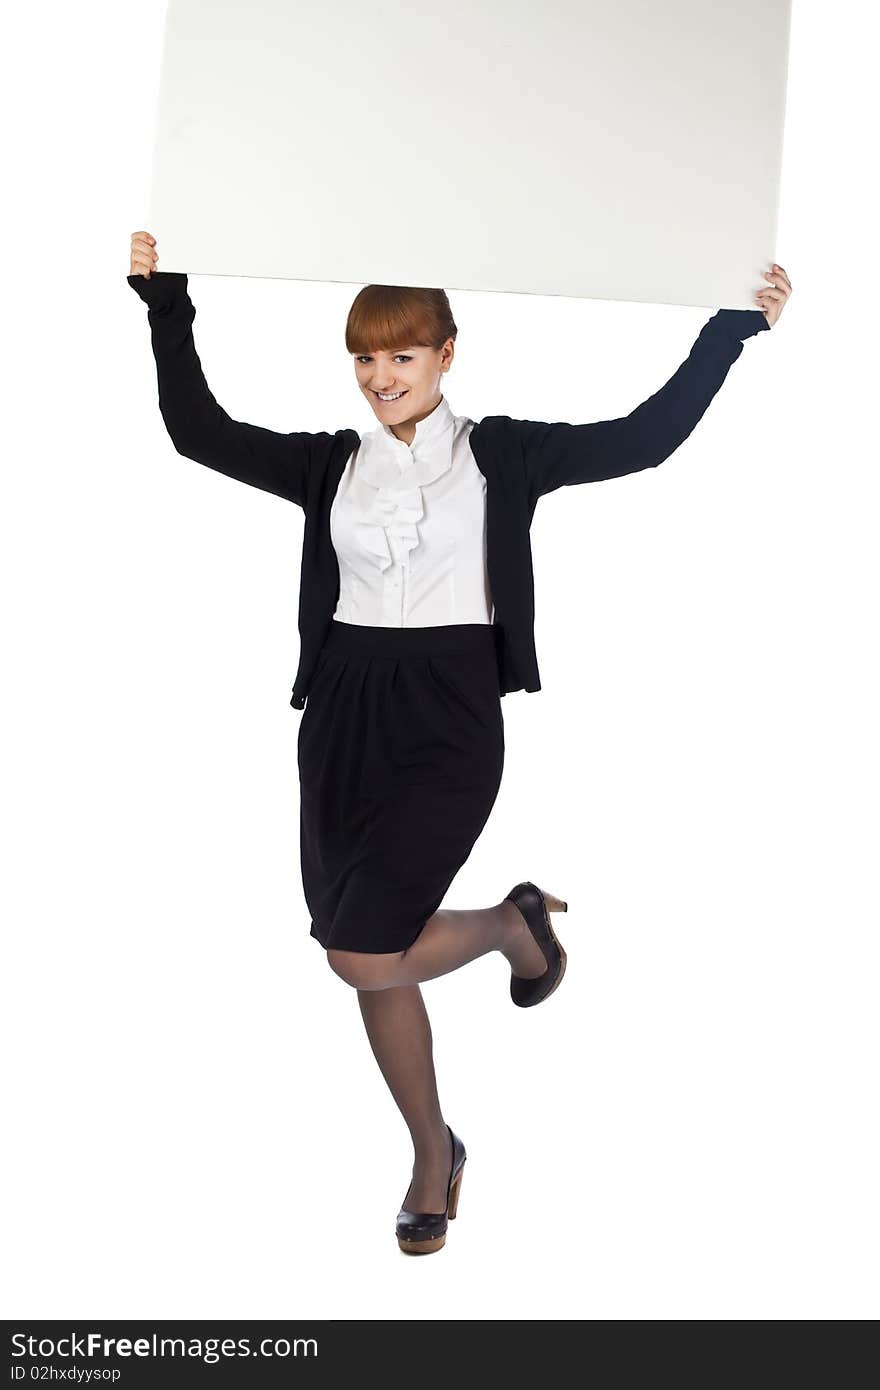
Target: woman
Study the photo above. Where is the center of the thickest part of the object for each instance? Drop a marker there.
(416, 614)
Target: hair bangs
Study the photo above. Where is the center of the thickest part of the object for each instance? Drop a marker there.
(391, 317)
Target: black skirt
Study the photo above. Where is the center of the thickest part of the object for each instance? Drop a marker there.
(400, 753)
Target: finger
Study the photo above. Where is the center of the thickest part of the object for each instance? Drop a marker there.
(140, 264)
(146, 235)
(777, 269)
(144, 244)
(146, 253)
(782, 285)
(772, 294)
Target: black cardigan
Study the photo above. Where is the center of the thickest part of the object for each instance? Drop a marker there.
(521, 460)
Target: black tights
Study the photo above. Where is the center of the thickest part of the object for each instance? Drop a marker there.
(399, 1030)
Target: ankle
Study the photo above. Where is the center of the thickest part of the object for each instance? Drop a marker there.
(519, 947)
(433, 1147)
(512, 928)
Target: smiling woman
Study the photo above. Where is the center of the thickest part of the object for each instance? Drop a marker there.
(403, 341)
(416, 614)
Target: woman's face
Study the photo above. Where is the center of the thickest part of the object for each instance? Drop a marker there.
(411, 378)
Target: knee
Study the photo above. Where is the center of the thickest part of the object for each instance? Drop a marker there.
(365, 971)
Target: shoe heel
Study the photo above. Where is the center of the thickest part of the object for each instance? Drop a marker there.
(555, 904)
(453, 1195)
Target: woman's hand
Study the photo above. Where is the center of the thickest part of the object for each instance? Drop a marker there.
(773, 301)
(143, 254)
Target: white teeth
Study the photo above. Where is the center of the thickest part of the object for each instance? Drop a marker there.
(396, 396)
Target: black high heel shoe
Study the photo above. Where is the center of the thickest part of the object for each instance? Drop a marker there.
(536, 907)
(422, 1232)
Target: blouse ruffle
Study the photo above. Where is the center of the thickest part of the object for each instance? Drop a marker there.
(389, 529)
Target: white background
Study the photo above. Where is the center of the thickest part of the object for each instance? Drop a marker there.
(687, 1129)
(501, 145)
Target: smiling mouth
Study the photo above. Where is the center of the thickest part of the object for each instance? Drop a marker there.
(388, 397)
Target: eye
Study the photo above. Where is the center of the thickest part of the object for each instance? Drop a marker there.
(402, 356)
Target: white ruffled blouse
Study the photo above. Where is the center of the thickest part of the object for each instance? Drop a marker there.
(408, 524)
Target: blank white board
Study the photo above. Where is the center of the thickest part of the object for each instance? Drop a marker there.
(615, 149)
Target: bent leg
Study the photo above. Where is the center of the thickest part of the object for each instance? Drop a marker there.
(449, 939)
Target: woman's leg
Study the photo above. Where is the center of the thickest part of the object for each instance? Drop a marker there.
(400, 1035)
(449, 939)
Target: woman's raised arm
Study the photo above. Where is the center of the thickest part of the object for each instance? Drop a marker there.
(557, 455)
(199, 427)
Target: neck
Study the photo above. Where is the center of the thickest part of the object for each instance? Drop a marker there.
(406, 430)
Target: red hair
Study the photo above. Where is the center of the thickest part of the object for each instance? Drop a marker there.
(398, 316)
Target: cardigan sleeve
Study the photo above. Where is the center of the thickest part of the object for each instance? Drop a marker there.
(200, 429)
(557, 455)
